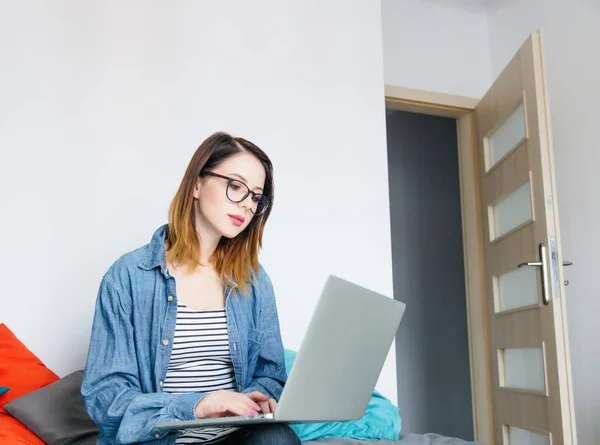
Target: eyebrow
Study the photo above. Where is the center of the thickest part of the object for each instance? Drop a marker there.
(245, 181)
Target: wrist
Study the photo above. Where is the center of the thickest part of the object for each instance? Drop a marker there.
(198, 414)
(199, 409)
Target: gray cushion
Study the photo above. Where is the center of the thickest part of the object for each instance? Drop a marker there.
(56, 413)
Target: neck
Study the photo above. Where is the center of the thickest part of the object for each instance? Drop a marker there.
(208, 239)
(208, 245)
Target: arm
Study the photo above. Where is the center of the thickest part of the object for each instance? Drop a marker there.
(270, 374)
(111, 388)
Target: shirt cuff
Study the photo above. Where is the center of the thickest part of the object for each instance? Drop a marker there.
(183, 406)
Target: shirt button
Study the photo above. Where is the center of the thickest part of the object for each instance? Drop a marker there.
(170, 298)
(165, 342)
(157, 436)
(161, 384)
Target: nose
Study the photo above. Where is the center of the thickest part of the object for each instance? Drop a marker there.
(247, 203)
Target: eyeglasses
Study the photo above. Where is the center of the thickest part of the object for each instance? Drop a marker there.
(237, 191)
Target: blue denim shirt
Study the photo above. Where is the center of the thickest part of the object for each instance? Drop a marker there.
(130, 347)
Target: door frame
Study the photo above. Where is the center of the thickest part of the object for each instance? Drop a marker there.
(462, 109)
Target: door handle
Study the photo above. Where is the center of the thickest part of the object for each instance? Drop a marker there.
(544, 266)
(567, 263)
(531, 264)
(539, 264)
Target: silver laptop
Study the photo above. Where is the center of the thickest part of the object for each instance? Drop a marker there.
(338, 363)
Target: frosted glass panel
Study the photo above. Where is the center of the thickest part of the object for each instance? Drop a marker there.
(517, 288)
(512, 211)
(524, 368)
(518, 436)
(507, 136)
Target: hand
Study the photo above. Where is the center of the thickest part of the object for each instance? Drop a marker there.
(222, 403)
(266, 406)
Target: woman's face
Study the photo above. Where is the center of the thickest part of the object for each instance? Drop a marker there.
(214, 210)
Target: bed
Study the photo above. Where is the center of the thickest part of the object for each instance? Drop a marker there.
(408, 439)
(37, 407)
(56, 415)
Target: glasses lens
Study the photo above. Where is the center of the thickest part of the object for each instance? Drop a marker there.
(236, 190)
(261, 203)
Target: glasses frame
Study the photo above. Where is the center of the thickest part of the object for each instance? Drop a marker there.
(248, 191)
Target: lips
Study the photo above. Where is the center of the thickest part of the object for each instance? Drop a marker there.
(238, 220)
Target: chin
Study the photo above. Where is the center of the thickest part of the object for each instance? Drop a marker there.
(231, 232)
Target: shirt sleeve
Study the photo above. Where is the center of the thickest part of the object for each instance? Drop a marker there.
(111, 389)
(270, 373)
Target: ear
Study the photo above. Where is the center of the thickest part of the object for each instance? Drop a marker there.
(197, 187)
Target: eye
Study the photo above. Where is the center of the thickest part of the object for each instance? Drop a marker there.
(235, 185)
(257, 198)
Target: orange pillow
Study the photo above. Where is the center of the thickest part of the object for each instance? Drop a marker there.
(13, 432)
(20, 370)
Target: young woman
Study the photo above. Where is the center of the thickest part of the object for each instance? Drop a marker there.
(186, 326)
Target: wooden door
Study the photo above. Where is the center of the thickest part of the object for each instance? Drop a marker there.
(529, 355)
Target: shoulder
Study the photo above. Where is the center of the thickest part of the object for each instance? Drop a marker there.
(262, 287)
(126, 268)
(114, 293)
(261, 280)
(131, 273)
(132, 265)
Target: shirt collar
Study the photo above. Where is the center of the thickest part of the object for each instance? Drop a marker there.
(155, 253)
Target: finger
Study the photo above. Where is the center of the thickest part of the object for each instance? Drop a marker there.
(252, 410)
(239, 408)
(249, 402)
(272, 405)
(258, 396)
(215, 411)
(264, 408)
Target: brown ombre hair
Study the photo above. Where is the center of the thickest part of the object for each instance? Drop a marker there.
(235, 258)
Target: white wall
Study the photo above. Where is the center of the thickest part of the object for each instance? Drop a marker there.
(103, 104)
(437, 45)
(571, 32)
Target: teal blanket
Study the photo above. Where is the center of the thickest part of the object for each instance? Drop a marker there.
(381, 420)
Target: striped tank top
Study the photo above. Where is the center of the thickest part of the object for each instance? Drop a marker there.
(200, 362)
